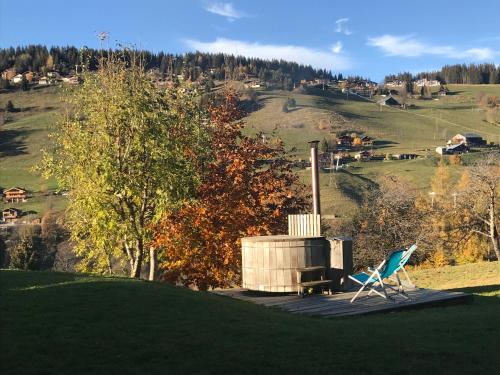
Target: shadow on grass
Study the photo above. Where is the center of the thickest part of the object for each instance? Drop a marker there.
(478, 289)
(123, 326)
(12, 142)
(352, 187)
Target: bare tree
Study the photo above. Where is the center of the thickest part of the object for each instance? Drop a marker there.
(480, 199)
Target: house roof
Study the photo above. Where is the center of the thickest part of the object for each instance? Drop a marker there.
(472, 135)
(388, 100)
(14, 188)
(458, 146)
(11, 209)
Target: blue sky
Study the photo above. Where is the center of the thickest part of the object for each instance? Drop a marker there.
(371, 38)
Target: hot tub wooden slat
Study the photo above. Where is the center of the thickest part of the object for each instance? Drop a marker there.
(269, 262)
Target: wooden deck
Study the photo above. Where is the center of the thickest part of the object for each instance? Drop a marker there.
(338, 304)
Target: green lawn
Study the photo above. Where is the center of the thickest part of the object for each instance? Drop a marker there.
(55, 323)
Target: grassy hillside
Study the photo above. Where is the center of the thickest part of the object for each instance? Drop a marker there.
(429, 124)
(67, 323)
(22, 137)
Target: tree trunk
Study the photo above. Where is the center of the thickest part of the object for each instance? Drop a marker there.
(153, 264)
(135, 271)
(493, 229)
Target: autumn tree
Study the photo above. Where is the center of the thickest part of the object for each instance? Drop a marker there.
(246, 190)
(126, 151)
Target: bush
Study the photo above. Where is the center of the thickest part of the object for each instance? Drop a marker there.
(3, 248)
(28, 253)
(9, 107)
(291, 103)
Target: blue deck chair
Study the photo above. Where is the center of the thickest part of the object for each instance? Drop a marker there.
(388, 269)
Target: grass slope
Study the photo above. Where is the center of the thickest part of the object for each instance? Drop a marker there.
(426, 126)
(65, 323)
(22, 138)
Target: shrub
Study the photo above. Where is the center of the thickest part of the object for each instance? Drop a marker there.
(28, 253)
(2, 252)
(9, 107)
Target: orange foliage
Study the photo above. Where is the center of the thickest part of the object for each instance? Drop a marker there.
(246, 190)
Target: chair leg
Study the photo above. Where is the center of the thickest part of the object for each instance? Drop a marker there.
(408, 277)
(357, 294)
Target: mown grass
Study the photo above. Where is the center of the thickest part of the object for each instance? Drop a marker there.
(66, 323)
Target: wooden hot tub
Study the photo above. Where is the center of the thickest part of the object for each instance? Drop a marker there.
(269, 263)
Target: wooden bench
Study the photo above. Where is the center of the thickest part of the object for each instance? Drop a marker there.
(309, 284)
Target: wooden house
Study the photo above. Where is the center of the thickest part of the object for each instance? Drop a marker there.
(363, 156)
(468, 139)
(344, 140)
(367, 141)
(453, 150)
(389, 101)
(10, 215)
(9, 74)
(15, 195)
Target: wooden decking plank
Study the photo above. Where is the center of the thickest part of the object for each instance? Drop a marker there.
(339, 304)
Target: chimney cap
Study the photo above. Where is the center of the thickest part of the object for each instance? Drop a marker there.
(313, 143)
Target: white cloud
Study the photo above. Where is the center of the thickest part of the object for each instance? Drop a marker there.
(409, 46)
(341, 27)
(224, 9)
(328, 59)
(337, 47)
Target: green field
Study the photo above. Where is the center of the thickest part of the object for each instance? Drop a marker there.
(56, 323)
(417, 130)
(23, 135)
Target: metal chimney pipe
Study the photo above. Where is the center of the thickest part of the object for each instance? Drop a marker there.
(315, 177)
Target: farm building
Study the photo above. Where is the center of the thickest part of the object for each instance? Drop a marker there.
(15, 194)
(389, 101)
(344, 140)
(367, 141)
(443, 92)
(17, 78)
(468, 139)
(427, 82)
(10, 215)
(404, 156)
(453, 150)
(363, 156)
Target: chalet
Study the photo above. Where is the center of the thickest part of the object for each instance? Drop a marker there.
(8, 74)
(344, 140)
(388, 101)
(53, 74)
(43, 81)
(29, 75)
(404, 156)
(363, 156)
(72, 80)
(17, 78)
(427, 82)
(395, 83)
(10, 215)
(443, 92)
(453, 150)
(468, 139)
(15, 194)
(367, 141)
